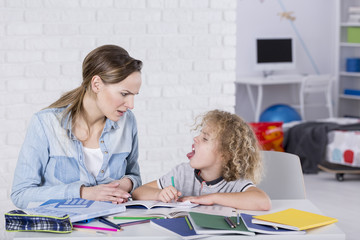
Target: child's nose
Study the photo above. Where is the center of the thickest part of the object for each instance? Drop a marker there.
(196, 139)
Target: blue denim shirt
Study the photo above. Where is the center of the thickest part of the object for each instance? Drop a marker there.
(51, 160)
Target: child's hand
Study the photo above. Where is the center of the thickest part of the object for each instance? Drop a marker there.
(203, 200)
(168, 194)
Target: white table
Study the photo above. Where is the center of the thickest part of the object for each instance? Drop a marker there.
(260, 82)
(148, 231)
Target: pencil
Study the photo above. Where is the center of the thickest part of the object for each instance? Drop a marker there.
(95, 228)
(133, 223)
(109, 223)
(188, 223)
(172, 181)
(238, 218)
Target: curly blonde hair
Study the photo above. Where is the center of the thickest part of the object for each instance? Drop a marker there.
(236, 143)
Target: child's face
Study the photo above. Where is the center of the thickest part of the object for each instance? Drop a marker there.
(204, 154)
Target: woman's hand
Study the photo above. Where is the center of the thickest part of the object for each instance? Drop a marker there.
(105, 192)
(168, 194)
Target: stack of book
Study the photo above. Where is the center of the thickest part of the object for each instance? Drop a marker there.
(354, 14)
(290, 221)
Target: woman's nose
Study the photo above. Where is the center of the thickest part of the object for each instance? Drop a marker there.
(130, 102)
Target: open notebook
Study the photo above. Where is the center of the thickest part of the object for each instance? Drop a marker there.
(156, 204)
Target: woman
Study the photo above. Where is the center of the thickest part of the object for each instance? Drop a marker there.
(85, 144)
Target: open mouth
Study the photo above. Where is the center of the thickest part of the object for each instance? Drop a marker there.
(192, 153)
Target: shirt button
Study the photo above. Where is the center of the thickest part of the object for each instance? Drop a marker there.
(102, 171)
(106, 152)
(101, 141)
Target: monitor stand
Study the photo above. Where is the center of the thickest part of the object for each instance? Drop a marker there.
(267, 73)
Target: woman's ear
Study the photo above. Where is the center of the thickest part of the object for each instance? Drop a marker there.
(96, 84)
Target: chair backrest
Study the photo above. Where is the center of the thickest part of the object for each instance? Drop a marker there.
(283, 177)
(317, 83)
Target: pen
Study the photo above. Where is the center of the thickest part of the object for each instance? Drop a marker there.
(172, 181)
(238, 218)
(232, 223)
(229, 222)
(133, 223)
(95, 228)
(85, 221)
(109, 223)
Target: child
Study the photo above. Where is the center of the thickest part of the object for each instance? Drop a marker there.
(224, 165)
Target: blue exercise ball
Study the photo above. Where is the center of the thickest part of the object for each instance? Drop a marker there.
(279, 113)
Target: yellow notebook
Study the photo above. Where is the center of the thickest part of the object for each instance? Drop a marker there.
(294, 219)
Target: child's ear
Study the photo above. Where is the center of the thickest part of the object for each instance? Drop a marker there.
(96, 84)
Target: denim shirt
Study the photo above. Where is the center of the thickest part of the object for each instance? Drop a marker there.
(51, 160)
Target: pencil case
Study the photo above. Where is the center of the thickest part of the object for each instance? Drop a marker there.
(20, 221)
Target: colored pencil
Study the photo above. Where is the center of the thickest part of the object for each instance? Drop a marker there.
(136, 218)
(238, 218)
(133, 223)
(95, 228)
(109, 223)
(188, 223)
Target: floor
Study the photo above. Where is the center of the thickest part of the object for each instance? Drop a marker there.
(336, 199)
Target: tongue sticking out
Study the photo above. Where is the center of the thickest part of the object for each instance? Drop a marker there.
(192, 153)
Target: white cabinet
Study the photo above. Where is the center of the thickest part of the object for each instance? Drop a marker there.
(348, 105)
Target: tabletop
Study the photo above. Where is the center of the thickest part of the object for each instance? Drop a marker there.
(271, 80)
(149, 231)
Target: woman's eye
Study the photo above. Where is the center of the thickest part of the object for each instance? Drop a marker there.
(124, 94)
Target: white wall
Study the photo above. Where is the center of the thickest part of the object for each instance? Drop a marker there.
(188, 50)
(315, 23)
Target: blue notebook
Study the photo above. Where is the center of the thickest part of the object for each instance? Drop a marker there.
(77, 208)
(178, 226)
(258, 228)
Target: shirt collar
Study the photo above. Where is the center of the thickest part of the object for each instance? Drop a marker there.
(201, 180)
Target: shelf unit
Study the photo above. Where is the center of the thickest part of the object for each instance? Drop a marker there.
(348, 105)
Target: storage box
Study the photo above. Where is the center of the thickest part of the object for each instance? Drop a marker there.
(352, 92)
(353, 34)
(353, 64)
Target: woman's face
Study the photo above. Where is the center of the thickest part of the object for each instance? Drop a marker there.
(113, 100)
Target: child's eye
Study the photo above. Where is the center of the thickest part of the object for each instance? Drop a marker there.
(205, 139)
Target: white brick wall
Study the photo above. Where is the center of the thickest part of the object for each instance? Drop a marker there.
(188, 50)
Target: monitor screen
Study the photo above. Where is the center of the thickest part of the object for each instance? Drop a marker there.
(275, 53)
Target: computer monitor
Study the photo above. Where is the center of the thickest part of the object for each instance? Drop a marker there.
(275, 54)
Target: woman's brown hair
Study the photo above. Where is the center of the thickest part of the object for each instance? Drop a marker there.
(111, 63)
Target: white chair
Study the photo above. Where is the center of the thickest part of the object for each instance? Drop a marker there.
(315, 84)
(283, 177)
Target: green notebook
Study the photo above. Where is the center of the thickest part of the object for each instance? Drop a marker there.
(215, 224)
